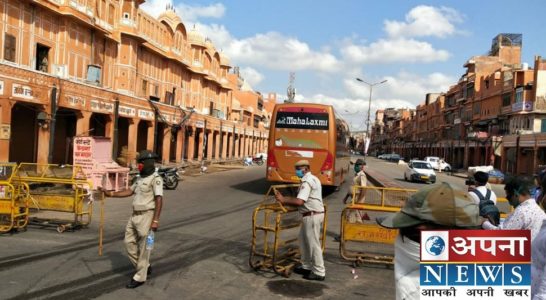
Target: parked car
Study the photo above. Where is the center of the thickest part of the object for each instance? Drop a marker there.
(383, 156)
(419, 170)
(496, 176)
(437, 163)
(395, 157)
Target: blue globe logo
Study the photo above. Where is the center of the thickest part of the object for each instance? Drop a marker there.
(435, 245)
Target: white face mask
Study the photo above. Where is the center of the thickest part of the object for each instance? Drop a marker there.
(406, 268)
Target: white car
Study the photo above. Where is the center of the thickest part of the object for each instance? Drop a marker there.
(419, 170)
(437, 163)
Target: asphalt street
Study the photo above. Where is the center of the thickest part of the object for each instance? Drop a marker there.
(395, 175)
(201, 252)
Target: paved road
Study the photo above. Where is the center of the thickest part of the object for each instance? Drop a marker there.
(394, 174)
(201, 252)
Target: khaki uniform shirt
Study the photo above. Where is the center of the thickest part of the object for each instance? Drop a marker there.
(145, 190)
(360, 179)
(310, 192)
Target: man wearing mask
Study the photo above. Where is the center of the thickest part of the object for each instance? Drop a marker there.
(147, 203)
(432, 208)
(527, 214)
(309, 203)
(360, 179)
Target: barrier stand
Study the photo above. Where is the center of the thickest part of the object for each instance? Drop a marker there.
(14, 207)
(101, 223)
(275, 230)
(57, 188)
(366, 232)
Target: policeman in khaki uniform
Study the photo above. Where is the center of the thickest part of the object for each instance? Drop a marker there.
(309, 202)
(147, 203)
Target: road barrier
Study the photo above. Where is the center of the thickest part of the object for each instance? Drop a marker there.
(57, 188)
(14, 197)
(275, 230)
(359, 229)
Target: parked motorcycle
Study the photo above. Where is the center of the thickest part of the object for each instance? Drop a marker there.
(170, 177)
(258, 160)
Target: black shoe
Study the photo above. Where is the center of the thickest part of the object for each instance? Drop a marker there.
(300, 270)
(313, 276)
(134, 284)
(149, 272)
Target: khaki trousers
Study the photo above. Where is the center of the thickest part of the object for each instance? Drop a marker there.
(135, 242)
(310, 246)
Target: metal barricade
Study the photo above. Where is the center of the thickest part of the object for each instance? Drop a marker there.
(57, 189)
(359, 229)
(275, 230)
(14, 198)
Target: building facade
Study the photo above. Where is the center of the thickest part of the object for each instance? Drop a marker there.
(106, 68)
(494, 115)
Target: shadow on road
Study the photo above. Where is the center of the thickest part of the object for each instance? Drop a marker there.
(296, 288)
(258, 186)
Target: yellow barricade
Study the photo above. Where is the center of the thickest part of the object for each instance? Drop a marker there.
(358, 226)
(14, 206)
(275, 230)
(57, 188)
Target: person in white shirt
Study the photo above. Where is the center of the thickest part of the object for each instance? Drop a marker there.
(538, 265)
(311, 207)
(527, 215)
(481, 191)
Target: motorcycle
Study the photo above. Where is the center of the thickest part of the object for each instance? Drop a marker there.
(170, 177)
(258, 160)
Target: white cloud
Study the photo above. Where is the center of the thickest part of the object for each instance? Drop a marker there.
(193, 13)
(252, 76)
(155, 7)
(425, 20)
(394, 50)
(277, 52)
(188, 13)
(404, 90)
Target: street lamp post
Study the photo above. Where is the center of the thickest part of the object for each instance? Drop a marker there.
(370, 85)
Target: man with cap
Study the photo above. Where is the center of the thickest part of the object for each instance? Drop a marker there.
(309, 203)
(147, 203)
(438, 207)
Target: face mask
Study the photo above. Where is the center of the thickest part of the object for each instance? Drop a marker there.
(148, 168)
(514, 201)
(357, 168)
(299, 173)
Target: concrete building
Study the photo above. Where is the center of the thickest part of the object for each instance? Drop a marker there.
(107, 68)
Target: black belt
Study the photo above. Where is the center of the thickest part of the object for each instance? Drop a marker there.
(140, 212)
(312, 213)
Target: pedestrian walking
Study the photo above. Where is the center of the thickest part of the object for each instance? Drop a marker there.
(484, 197)
(360, 180)
(527, 215)
(538, 265)
(432, 208)
(311, 207)
(147, 204)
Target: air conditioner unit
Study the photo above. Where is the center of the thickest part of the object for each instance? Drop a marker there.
(60, 70)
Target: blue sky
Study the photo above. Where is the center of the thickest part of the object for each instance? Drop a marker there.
(418, 47)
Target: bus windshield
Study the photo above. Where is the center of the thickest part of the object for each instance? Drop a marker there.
(301, 130)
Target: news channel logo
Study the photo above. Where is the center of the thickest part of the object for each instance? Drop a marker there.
(434, 245)
(475, 264)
